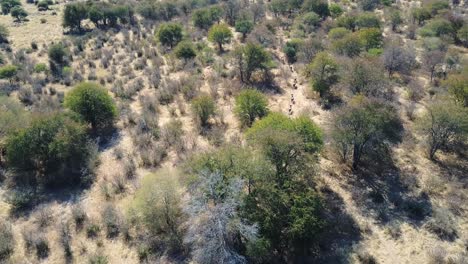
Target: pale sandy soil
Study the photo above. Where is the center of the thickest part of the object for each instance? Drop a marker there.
(411, 247)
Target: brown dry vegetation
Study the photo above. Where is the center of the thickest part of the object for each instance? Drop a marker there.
(379, 201)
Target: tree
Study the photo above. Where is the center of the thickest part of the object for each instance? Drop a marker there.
(420, 14)
(324, 73)
(216, 231)
(157, 205)
(244, 26)
(19, 13)
(231, 11)
(363, 125)
(57, 58)
(367, 20)
(309, 22)
(169, 34)
(53, 149)
(335, 10)
(371, 37)
(432, 59)
(12, 118)
(73, 14)
(233, 161)
(365, 76)
(8, 72)
(350, 45)
(318, 6)
(43, 5)
(457, 85)
(203, 108)
(7, 5)
(437, 28)
(185, 50)
(291, 48)
(204, 18)
(286, 142)
(444, 124)
(398, 59)
(250, 105)
(93, 103)
(220, 34)
(395, 19)
(4, 33)
(250, 58)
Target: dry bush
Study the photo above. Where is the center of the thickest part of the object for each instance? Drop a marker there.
(7, 240)
(93, 229)
(118, 183)
(65, 239)
(44, 216)
(112, 220)
(172, 132)
(153, 155)
(190, 86)
(79, 216)
(26, 95)
(442, 224)
(433, 184)
(436, 255)
(167, 90)
(34, 240)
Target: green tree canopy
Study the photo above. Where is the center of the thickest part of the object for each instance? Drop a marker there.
(73, 14)
(220, 34)
(8, 72)
(457, 85)
(203, 108)
(19, 13)
(250, 58)
(93, 103)
(244, 26)
(444, 124)
(324, 73)
(53, 149)
(185, 50)
(363, 125)
(169, 34)
(250, 105)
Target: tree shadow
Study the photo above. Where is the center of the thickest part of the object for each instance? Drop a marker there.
(378, 187)
(340, 234)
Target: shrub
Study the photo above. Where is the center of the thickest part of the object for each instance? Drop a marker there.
(220, 34)
(4, 33)
(444, 124)
(54, 149)
(8, 72)
(442, 224)
(43, 5)
(7, 5)
(169, 34)
(203, 108)
(363, 125)
(250, 105)
(19, 13)
(157, 205)
(324, 72)
(73, 14)
(40, 67)
(244, 27)
(7, 241)
(93, 103)
(335, 10)
(185, 50)
(112, 220)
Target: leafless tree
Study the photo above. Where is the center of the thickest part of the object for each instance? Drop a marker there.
(215, 229)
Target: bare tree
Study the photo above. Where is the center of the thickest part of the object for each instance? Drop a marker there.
(215, 230)
(444, 123)
(398, 59)
(433, 59)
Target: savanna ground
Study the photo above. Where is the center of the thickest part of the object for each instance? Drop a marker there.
(377, 203)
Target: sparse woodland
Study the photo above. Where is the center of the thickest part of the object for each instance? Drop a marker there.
(234, 131)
